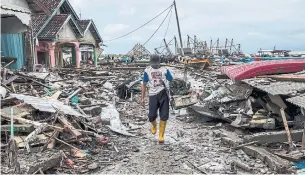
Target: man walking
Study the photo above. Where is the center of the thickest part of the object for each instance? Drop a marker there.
(155, 76)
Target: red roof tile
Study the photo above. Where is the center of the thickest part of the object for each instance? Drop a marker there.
(50, 4)
(37, 22)
(53, 26)
(83, 24)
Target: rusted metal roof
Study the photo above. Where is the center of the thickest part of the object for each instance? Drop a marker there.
(274, 87)
(46, 105)
(298, 100)
(53, 26)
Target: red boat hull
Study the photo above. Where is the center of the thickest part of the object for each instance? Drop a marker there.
(253, 69)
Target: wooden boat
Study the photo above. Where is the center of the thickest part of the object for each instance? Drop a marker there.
(256, 68)
(198, 63)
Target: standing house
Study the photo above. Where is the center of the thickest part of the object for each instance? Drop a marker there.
(90, 40)
(15, 38)
(59, 32)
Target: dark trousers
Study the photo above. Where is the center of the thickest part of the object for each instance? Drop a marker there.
(161, 102)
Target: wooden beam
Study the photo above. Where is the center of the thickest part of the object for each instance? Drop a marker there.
(286, 128)
(67, 125)
(303, 138)
(37, 124)
(5, 82)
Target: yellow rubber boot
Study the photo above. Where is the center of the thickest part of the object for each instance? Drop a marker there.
(154, 127)
(161, 131)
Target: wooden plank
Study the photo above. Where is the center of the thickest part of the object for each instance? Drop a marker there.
(5, 82)
(303, 138)
(41, 139)
(286, 128)
(52, 141)
(291, 157)
(33, 135)
(67, 125)
(274, 162)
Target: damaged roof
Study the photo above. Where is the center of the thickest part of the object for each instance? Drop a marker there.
(53, 27)
(89, 24)
(298, 100)
(274, 87)
(37, 22)
(51, 5)
(83, 24)
(95, 32)
(46, 105)
(46, 26)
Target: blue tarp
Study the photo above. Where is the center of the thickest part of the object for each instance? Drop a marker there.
(126, 60)
(12, 45)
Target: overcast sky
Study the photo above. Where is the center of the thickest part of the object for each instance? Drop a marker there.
(252, 23)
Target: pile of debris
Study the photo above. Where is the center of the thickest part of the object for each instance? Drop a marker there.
(70, 110)
(257, 105)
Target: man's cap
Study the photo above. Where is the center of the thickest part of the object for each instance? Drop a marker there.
(155, 59)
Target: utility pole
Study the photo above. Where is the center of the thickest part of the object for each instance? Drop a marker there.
(176, 45)
(178, 25)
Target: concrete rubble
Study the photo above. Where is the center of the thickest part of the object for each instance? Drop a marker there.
(89, 120)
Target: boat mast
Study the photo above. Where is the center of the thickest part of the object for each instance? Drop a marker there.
(179, 32)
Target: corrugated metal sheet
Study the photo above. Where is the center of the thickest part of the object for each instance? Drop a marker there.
(12, 45)
(276, 87)
(298, 100)
(46, 105)
(239, 92)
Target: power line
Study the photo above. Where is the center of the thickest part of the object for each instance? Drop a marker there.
(158, 27)
(170, 7)
(169, 20)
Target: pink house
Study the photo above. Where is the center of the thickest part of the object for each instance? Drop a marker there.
(59, 35)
